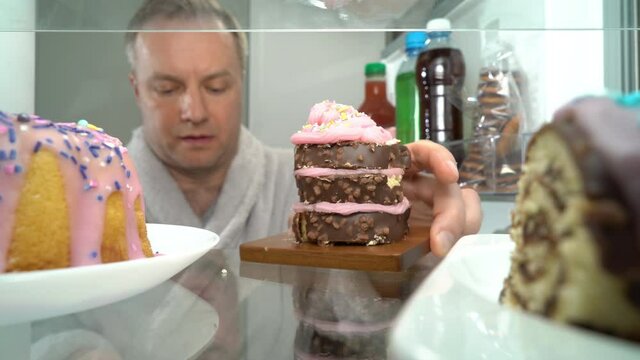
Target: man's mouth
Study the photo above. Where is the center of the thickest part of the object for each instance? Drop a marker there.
(197, 139)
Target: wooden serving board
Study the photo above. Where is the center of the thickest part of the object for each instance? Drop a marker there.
(283, 250)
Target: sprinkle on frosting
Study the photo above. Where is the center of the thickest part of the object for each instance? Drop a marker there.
(330, 122)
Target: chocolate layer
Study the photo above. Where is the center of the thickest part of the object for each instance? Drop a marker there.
(372, 228)
(352, 155)
(367, 188)
(604, 139)
(313, 343)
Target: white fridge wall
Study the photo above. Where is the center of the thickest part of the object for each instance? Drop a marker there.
(291, 71)
(18, 60)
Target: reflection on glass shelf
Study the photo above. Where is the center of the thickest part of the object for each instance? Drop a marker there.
(261, 15)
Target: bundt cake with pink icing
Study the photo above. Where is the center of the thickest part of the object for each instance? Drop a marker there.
(348, 172)
(69, 196)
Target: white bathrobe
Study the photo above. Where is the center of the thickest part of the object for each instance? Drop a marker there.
(255, 200)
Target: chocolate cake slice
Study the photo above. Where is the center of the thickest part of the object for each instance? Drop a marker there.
(348, 172)
(576, 222)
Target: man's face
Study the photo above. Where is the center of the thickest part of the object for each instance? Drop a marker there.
(188, 87)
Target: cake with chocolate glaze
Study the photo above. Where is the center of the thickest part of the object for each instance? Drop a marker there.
(576, 223)
(348, 172)
(69, 196)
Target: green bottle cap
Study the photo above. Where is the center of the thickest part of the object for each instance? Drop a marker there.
(375, 68)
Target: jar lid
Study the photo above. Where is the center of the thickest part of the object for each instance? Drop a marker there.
(375, 68)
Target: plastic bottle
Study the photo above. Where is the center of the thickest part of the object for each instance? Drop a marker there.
(409, 124)
(440, 72)
(375, 102)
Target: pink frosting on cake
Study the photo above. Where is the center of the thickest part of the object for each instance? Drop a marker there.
(319, 171)
(330, 122)
(342, 326)
(349, 208)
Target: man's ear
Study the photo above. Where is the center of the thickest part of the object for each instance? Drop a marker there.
(134, 84)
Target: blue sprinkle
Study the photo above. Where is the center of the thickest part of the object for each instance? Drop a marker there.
(629, 100)
(83, 171)
(49, 140)
(64, 154)
(100, 198)
(37, 147)
(12, 135)
(117, 184)
(3, 155)
(62, 131)
(5, 121)
(13, 154)
(73, 160)
(128, 174)
(108, 159)
(41, 126)
(94, 254)
(17, 169)
(94, 150)
(78, 148)
(117, 149)
(68, 144)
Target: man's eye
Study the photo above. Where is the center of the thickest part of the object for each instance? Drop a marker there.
(216, 89)
(166, 90)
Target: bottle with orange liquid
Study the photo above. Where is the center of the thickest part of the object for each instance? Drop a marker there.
(375, 102)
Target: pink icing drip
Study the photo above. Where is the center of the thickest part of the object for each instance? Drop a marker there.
(351, 208)
(86, 216)
(317, 171)
(131, 193)
(330, 122)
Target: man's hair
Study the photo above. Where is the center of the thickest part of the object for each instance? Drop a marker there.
(205, 12)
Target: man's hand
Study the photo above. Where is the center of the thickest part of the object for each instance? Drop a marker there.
(455, 212)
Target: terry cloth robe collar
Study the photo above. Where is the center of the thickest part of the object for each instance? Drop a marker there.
(165, 203)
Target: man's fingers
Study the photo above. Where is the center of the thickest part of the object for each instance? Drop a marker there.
(473, 211)
(449, 218)
(419, 187)
(435, 158)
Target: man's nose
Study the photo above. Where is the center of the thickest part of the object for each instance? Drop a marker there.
(193, 107)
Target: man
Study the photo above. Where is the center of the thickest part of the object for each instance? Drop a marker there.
(200, 167)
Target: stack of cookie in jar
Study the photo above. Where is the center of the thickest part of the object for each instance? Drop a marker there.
(493, 160)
